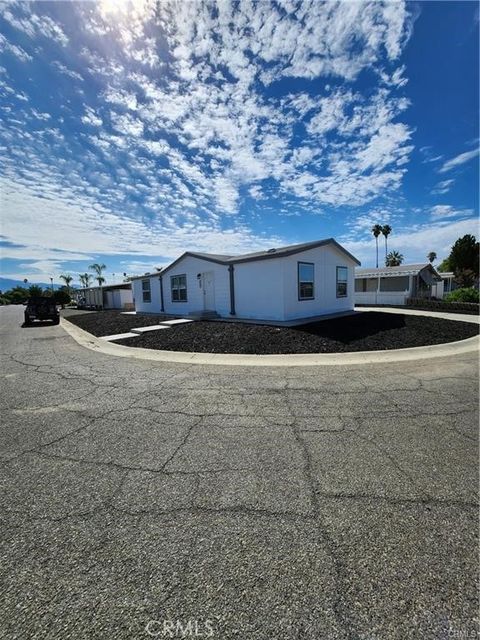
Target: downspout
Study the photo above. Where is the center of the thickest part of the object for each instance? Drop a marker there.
(232, 289)
(162, 307)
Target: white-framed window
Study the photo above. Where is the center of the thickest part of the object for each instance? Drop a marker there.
(342, 282)
(146, 293)
(306, 280)
(178, 286)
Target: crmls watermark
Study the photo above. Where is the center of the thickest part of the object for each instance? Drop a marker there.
(463, 634)
(180, 629)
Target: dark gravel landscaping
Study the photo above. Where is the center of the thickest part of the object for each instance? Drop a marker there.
(368, 331)
(107, 323)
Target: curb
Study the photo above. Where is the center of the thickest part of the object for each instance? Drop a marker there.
(85, 339)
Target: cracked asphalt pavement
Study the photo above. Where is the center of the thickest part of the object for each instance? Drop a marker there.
(320, 502)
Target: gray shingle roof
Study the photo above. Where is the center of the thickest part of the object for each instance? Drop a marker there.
(402, 270)
(274, 252)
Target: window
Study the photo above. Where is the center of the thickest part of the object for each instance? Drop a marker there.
(146, 294)
(342, 280)
(305, 281)
(179, 288)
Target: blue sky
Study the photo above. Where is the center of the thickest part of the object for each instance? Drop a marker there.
(133, 132)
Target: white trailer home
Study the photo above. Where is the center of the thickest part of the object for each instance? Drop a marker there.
(109, 296)
(394, 285)
(287, 283)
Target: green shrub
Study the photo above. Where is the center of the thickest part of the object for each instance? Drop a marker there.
(463, 295)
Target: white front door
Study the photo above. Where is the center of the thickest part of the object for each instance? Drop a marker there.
(208, 291)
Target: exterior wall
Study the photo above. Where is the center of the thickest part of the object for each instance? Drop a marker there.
(259, 289)
(147, 307)
(393, 290)
(191, 267)
(112, 298)
(93, 296)
(326, 259)
(264, 289)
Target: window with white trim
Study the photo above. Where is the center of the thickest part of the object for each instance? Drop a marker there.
(146, 293)
(179, 288)
(306, 277)
(342, 282)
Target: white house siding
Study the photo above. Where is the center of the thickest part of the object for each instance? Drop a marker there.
(326, 260)
(265, 289)
(147, 307)
(191, 267)
(259, 289)
(268, 289)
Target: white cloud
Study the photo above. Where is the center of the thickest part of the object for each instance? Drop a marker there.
(91, 118)
(458, 160)
(176, 148)
(447, 211)
(66, 71)
(442, 187)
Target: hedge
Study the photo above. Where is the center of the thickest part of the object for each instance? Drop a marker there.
(442, 305)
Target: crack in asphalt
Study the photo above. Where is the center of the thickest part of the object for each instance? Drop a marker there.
(341, 402)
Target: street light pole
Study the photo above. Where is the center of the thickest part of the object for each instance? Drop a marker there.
(51, 284)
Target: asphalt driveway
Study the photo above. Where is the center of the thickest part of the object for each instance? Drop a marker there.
(143, 499)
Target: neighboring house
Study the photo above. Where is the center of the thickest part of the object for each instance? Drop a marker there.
(394, 285)
(287, 283)
(448, 284)
(109, 296)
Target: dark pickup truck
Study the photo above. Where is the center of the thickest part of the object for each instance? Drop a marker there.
(41, 308)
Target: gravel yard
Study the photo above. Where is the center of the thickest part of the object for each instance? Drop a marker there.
(107, 323)
(367, 331)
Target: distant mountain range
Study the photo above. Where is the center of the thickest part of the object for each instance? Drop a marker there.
(8, 283)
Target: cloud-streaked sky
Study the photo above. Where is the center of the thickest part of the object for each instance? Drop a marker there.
(132, 132)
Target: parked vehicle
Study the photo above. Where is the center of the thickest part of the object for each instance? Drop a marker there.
(41, 308)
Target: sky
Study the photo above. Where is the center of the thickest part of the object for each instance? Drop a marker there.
(132, 132)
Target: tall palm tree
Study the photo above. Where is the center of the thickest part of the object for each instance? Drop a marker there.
(393, 259)
(85, 279)
(98, 268)
(432, 256)
(386, 231)
(67, 278)
(377, 230)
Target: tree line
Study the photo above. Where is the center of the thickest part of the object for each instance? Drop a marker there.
(62, 295)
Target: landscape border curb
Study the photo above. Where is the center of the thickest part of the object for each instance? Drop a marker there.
(85, 339)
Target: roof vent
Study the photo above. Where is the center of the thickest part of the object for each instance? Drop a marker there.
(271, 251)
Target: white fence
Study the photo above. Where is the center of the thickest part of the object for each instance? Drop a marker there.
(381, 297)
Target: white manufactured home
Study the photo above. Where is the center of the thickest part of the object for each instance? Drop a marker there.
(287, 283)
(109, 296)
(394, 285)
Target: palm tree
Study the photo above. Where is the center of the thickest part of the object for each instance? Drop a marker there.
(432, 256)
(85, 280)
(386, 231)
(98, 268)
(35, 290)
(376, 230)
(393, 259)
(67, 279)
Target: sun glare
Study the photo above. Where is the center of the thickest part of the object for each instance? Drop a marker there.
(112, 8)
